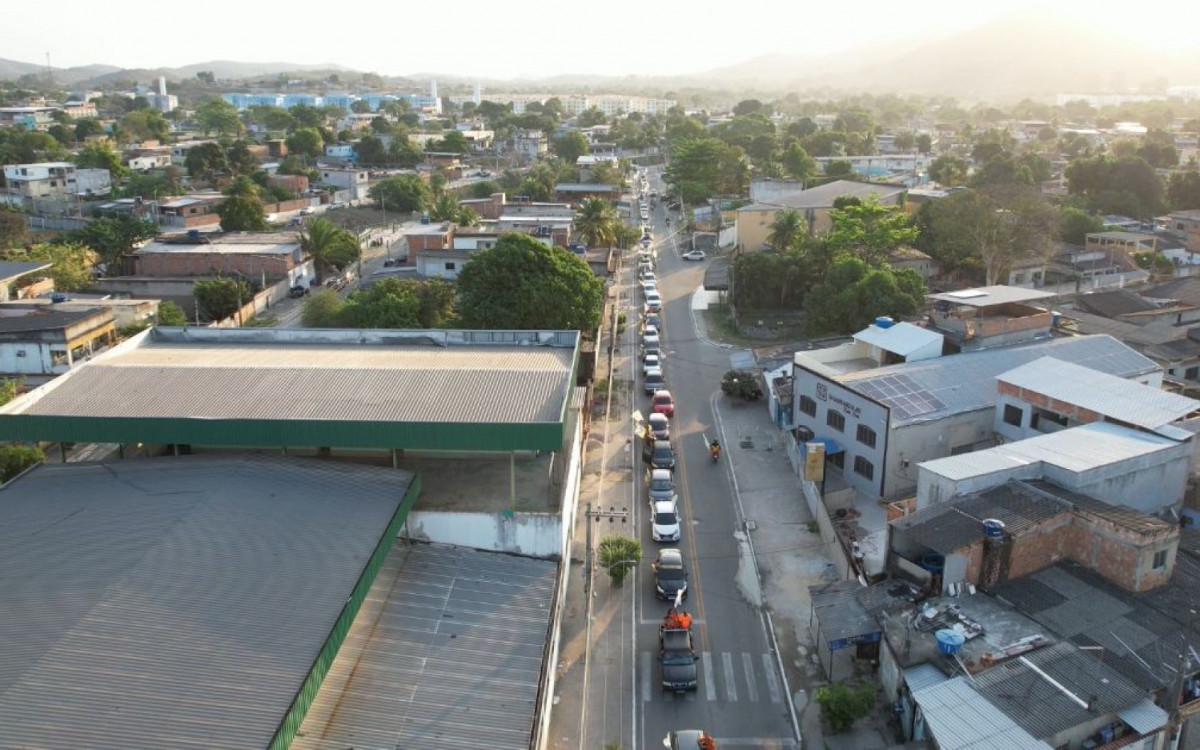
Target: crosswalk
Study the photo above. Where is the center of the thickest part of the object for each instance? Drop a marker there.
(729, 677)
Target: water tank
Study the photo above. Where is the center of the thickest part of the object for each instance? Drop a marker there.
(949, 642)
(57, 297)
(884, 321)
(933, 562)
(1055, 317)
(993, 528)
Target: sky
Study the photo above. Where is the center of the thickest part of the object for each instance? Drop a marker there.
(536, 38)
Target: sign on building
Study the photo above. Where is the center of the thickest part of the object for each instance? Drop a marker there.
(814, 462)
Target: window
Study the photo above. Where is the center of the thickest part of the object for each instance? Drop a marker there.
(808, 406)
(1160, 560)
(866, 436)
(1041, 415)
(835, 420)
(1013, 415)
(864, 468)
(450, 265)
(1192, 373)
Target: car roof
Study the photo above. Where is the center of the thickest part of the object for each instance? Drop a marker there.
(660, 474)
(661, 393)
(653, 371)
(670, 556)
(656, 417)
(661, 505)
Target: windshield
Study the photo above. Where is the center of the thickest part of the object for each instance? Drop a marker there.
(665, 519)
(660, 484)
(678, 657)
(670, 574)
(662, 399)
(662, 451)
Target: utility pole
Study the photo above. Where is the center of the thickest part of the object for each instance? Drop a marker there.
(612, 514)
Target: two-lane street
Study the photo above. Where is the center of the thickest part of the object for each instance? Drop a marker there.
(740, 698)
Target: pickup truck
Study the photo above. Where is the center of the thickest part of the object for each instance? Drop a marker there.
(678, 660)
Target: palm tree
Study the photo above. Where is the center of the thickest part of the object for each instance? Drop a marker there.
(788, 227)
(597, 223)
(331, 246)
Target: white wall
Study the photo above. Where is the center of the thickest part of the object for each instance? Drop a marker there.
(911, 444)
(831, 396)
(533, 534)
(29, 358)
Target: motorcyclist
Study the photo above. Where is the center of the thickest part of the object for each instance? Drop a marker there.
(714, 450)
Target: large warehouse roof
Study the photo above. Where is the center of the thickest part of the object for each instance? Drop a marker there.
(468, 390)
(178, 602)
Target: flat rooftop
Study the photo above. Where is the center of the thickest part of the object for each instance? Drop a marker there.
(987, 296)
(466, 390)
(176, 602)
(447, 653)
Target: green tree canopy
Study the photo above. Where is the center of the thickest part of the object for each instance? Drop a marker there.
(145, 125)
(870, 230)
(331, 247)
(240, 159)
(306, 142)
(242, 210)
(221, 297)
(87, 126)
(1183, 191)
(522, 284)
(596, 223)
(989, 230)
(853, 294)
(571, 145)
(1127, 185)
(112, 237)
(1075, 224)
(215, 115)
(205, 161)
(797, 162)
(948, 170)
(100, 156)
(16, 458)
(453, 142)
(618, 555)
(71, 263)
(787, 228)
(14, 230)
(701, 168)
(171, 314)
(403, 193)
(391, 303)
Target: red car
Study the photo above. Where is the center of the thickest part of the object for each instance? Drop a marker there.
(662, 403)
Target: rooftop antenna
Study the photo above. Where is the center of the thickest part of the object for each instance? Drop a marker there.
(49, 71)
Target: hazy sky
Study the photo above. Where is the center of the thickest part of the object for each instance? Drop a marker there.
(530, 38)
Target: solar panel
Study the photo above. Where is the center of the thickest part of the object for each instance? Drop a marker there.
(905, 398)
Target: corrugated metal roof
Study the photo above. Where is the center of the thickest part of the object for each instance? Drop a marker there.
(901, 338)
(1075, 449)
(839, 612)
(940, 527)
(445, 629)
(12, 269)
(986, 296)
(959, 718)
(1042, 708)
(1112, 396)
(1144, 716)
(923, 676)
(965, 382)
(452, 384)
(175, 602)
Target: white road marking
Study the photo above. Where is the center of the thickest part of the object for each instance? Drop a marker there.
(751, 688)
(772, 680)
(730, 676)
(645, 675)
(710, 685)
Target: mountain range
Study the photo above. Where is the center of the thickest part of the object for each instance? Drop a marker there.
(1003, 60)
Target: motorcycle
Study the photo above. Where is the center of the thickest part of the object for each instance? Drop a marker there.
(714, 451)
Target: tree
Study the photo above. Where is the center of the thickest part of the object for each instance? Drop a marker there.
(322, 310)
(1183, 191)
(306, 142)
(370, 151)
(522, 284)
(100, 156)
(240, 159)
(404, 153)
(948, 170)
(618, 554)
(869, 230)
(360, 106)
(145, 125)
(70, 264)
(842, 705)
(171, 314)
(838, 168)
(484, 189)
(924, 143)
(16, 458)
(606, 173)
(331, 247)
(221, 297)
(797, 162)
(242, 210)
(991, 229)
(852, 294)
(14, 230)
(571, 145)
(741, 384)
(112, 238)
(87, 126)
(748, 107)
(219, 116)
(596, 222)
(205, 161)
(447, 208)
(1127, 185)
(21, 147)
(403, 193)
(701, 168)
(787, 228)
(10, 388)
(591, 117)
(1075, 224)
(453, 142)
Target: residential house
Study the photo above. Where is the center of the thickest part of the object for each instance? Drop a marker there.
(814, 204)
(27, 182)
(35, 340)
(145, 161)
(989, 316)
(530, 144)
(340, 150)
(573, 192)
(1117, 243)
(913, 259)
(261, 258)
(196, 211)
(879, 423)
(29, 118)
(14, 278)
(440, 264)
(354, 181)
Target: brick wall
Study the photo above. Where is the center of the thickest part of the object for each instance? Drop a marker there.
(297, 183)
(419, 242)
(208, 264)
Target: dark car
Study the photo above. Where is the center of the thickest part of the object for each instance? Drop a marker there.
(658, 454)
(670, 577)
(660, 426)
(661, 485)
(298, 291)
(678, 660)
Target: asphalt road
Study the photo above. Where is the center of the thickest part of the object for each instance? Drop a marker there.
(740, 699)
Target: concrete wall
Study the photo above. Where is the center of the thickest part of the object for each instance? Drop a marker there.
(1150, 483)
(911, 444)
(532, 534)
(143, 288)
(831, 396)
(31, 358)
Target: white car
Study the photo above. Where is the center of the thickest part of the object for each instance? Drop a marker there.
(651, 362)
(651, 342)
(650, 331)
(653, 302)
(649, 277)
(693, 255)
(664, 521)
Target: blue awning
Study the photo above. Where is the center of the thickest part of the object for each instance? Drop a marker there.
(830, 446)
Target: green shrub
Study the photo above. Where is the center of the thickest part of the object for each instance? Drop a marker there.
(842, 704)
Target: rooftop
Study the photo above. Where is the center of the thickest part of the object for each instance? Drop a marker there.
(274, 387)
(902, 338)
(962, 719)
(937, 388)
(10, 270)
(234, 243)
(1114, 303)
(444, 628)
(34, 316)
(825, 195)
(1124, 400)
(988, 296)
(584, 187)
(1075, 449)
(1122, 236)
(150, 594)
